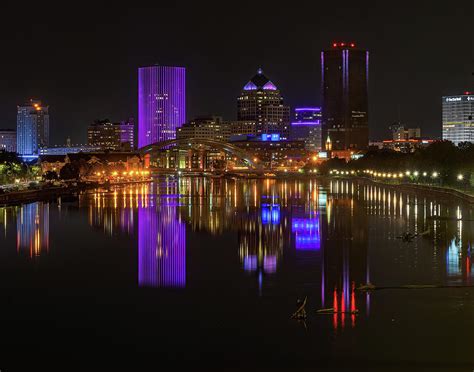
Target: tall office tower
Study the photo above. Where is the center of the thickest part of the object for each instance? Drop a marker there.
(32, 128)
(260, 108)
(344, 85)
(8, 140)
(161, 103)
(111, 136)
(458, 118)
(307, 127)
(102, 133)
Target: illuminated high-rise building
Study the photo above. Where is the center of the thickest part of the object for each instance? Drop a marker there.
(458, 118)
(260, 109)
(161, 103)
(344, 85)
(307, 127)
(32, 128)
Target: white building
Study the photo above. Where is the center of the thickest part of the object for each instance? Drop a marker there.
(458, 118)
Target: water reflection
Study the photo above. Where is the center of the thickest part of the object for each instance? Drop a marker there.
(33, 229)
(330, 236)
(161, 247)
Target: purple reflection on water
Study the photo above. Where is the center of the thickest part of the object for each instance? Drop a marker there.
(306, 233)
(250, 263)
(161, 248)
(269, 264)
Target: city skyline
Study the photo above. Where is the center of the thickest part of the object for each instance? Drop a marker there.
(402, 82)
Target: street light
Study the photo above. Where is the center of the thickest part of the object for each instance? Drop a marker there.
(435, 174)
(415, 173)
(460, 177)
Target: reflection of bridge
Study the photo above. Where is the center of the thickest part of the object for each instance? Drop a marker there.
(228, 147)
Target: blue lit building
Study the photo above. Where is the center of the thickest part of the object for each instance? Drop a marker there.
(307, 127)
(260, 109)
(32, 128)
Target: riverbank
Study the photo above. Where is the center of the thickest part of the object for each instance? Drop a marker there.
(51, 193)
(444, 192)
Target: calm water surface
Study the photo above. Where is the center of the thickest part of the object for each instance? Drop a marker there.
(204, 272)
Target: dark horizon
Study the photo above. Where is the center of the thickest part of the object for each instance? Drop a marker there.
(85, 66)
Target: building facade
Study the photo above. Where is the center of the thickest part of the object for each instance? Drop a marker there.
(270, 150)
(125, 132)
(32, 128)
(307, 127)
(161, 103)
(260, 109)
(72, 149)
(406, 145)
(8, 140)
(210, 128)
(401, 133)
(112, 136)
(458, 118)
(344, 80)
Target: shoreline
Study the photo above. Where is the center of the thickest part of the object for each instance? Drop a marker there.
(413, 188)
(49, 194)
(31, 196)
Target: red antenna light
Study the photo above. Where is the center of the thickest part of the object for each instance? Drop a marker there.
(352, 45)
(334, 45)
(343, 44)
(467, 93)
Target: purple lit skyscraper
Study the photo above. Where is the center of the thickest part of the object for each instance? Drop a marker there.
(161, 103)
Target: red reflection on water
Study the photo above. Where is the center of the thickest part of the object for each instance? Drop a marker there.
(341, 307)
(468, 267)
(353, 305)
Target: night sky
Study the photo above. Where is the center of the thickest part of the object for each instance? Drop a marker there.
(82, 60)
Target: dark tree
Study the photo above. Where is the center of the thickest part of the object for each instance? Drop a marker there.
(69, 172)
(50, 176)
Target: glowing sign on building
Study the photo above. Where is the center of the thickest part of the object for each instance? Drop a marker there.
(274, 137)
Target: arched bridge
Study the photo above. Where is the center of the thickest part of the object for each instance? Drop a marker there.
(230, 148)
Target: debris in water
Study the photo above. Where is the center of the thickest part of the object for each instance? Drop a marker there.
(300, 312)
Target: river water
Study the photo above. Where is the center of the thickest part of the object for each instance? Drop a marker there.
(207, 272)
